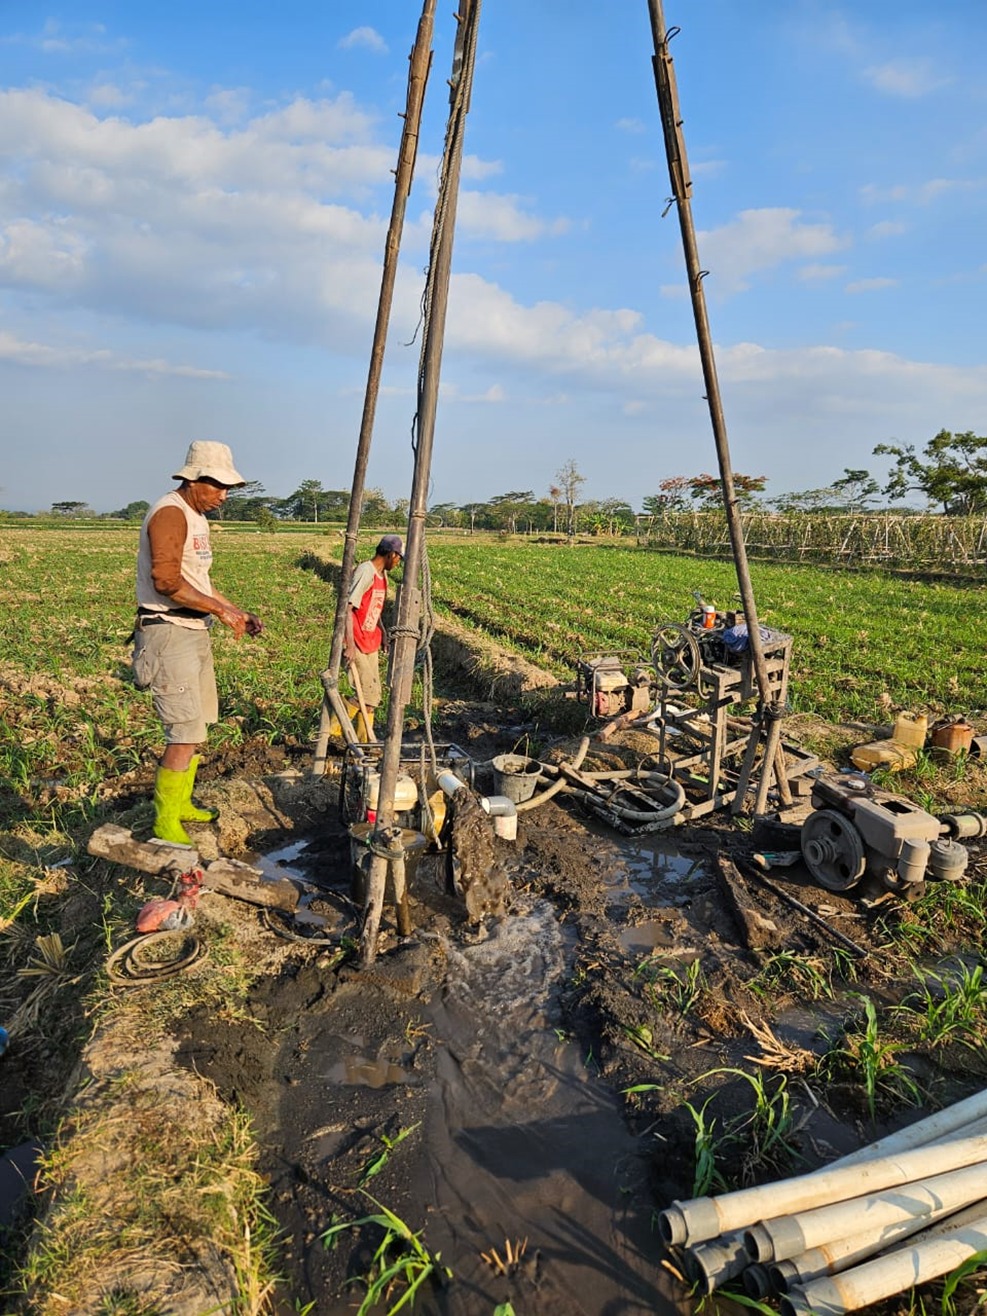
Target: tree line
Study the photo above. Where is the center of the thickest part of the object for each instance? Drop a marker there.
(950, 474)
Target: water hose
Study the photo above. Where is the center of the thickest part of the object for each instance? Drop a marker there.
(128, 967)
(556, 786)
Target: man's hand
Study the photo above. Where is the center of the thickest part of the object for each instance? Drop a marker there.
(254, 625)
(235, 619)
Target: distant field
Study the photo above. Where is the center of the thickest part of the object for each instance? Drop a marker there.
(857, 635)
(69, 716)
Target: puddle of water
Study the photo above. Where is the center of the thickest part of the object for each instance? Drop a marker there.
(362, 1071)
(283, 862)
(525, 1143)
(646, 938)
(650, 868)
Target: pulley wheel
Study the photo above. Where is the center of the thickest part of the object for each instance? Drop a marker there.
(675, 655)
(832, 850)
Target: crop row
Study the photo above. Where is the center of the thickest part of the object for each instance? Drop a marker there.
(861, 638)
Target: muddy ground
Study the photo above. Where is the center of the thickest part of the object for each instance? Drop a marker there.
(524, 1091)
(345, 1061)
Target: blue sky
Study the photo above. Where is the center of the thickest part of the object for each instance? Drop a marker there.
(194, 197)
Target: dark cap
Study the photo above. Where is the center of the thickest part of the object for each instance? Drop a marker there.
(390, 544)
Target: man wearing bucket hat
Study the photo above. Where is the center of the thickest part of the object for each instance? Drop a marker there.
(176, 606)
(365, 635)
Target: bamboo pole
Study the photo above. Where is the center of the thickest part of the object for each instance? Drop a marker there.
(420, 63)
(678, 172)
(404, 635)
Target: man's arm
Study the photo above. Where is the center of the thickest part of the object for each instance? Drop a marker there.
(166, 533)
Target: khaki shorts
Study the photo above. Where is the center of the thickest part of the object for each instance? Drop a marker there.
(368, 670)
(175, 664)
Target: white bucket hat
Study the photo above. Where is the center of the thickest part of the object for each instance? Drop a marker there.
(212, 461)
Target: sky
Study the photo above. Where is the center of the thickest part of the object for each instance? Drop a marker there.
(194, 200)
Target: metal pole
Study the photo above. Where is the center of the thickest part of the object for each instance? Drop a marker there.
(404, 635)
(420, 62)
(678, 172)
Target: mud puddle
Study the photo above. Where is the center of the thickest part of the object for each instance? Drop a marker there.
(443, 1085)
(525, 1146)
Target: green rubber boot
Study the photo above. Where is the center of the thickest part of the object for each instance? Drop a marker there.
(190, 812)
(169, 790)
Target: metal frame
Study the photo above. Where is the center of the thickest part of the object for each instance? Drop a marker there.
(720, 686)
(367, 756)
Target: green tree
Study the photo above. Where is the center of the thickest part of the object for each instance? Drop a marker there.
(135, 511)
(507, 509)
(953, 474)
(445, 514)
(855, 489)
(376, 509)
(242, 503)
(304, 503)
(70, 508)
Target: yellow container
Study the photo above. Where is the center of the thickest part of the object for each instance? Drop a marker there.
(883, 754)
(910, 729)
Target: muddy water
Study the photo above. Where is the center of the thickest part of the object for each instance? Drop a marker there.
(525, 1144)
(519, 1141)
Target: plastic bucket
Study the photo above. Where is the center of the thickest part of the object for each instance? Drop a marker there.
(516, 777)
(952, 737)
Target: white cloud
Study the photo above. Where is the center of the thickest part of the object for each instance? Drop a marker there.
(906, 78)
(707, 168)
(474, 169)
(630, 126)
(887, 228)
(364, 38)
(760, 240)
(871, 285)
(921, 193)
(820, 273)
(502, 217)
(18, 351)
(107, 95)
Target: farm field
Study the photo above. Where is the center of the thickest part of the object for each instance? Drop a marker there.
(656, 994)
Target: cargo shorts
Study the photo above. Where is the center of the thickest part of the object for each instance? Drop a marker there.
(367, 666)
(175, 664)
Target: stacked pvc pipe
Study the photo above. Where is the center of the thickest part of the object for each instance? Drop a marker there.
(903, 1210)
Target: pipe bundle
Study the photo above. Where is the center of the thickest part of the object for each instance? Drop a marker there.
(906, 1209)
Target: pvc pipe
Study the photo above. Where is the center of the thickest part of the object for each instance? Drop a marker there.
(786, 1236)
(499, 806)
(843, 1253)
(503, 811)
(714, 1263)
(757, 1282)
(701, 1218)
(923, 1132)
(719, 1260)
(449, 782)
(887, 1275)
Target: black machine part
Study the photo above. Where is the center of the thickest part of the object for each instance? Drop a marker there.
(858, 827)
(833, 850)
